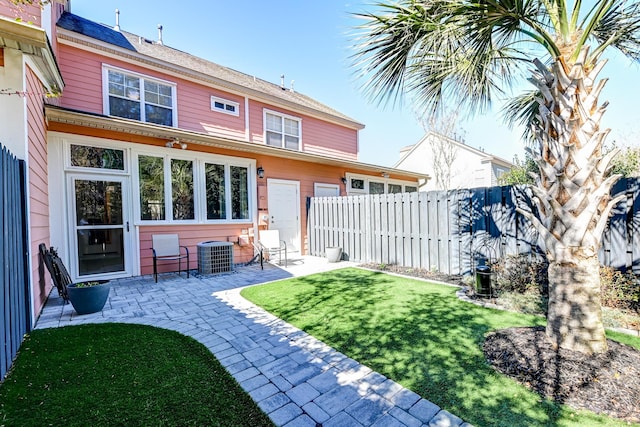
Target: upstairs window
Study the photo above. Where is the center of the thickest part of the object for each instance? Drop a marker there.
(136, 97)
(282, 131)
(225, 106)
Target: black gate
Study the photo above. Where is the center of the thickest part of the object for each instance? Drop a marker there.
(14, 265)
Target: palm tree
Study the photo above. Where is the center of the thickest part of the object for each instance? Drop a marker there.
(467, 52)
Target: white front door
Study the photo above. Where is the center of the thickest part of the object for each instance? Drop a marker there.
(284, 211)
(99, 226)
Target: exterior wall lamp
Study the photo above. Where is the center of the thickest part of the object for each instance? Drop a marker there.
(176, 141)
(344, 180)
(260, 172)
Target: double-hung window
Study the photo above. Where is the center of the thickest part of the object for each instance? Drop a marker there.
(137, 97)
(282, 130)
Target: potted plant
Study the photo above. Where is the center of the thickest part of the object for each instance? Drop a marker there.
(90, 296)
(333, 253)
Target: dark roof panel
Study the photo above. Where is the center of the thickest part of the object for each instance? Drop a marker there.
(94, 30)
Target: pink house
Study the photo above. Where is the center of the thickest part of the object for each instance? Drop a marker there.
(140, 139)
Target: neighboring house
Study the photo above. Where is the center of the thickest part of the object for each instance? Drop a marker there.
(468, 167)
(142, 139)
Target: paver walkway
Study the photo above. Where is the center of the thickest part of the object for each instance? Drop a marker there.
(296, 379)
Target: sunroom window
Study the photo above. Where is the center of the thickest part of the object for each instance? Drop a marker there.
(182, 189)
(282, 131)
(151, 180)
(137, 97)
(199, 190)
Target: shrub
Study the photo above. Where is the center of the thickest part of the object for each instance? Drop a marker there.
(520, 274)
(619, 290)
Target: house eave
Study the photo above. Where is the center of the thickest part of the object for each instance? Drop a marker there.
(79, 41)
(115, 124)
(32, 41)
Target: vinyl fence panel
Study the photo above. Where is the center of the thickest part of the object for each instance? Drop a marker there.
(14, 295)
(453, 231)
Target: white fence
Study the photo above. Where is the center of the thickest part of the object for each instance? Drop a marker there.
(448, 231)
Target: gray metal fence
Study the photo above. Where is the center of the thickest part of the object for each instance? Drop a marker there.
(14, 296)
(448, 231)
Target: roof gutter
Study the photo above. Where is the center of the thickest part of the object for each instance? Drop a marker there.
(72, 117)
(32, 41)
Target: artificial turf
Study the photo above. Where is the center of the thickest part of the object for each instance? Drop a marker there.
(118, 374)
(420, 335)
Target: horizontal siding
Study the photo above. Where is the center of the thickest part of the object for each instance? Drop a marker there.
(38, 194)
(194, 112)
(329, 139)
(190, 236)
(82, 72)
(27, 13)
(318, 137)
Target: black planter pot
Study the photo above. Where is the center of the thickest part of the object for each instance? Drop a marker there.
(89, 299)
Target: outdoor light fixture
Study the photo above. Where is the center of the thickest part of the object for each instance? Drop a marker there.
(344, 180)
(385, 175)
(176, 141)
(260, 171)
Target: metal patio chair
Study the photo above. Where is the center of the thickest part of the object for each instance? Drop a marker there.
(59, 274)
(166, 247)
(270, 242)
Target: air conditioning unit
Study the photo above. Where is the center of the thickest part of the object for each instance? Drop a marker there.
(215, 257)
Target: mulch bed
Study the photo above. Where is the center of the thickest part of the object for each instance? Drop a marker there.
(415, 272)
(608, 383)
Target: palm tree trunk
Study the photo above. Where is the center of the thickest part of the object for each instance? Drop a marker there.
(573, 198)
(574, 319)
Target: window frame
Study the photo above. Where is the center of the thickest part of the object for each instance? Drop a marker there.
(142, 78)
(226, 103)
(68, 166)
(367, 179)
(283, 133)
(199, 186)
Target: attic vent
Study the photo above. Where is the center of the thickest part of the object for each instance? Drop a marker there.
(215, 257)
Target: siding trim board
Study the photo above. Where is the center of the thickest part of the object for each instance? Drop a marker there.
(85, 120)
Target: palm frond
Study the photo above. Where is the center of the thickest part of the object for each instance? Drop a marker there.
(385, 46)
(523, 110)
(620, 28)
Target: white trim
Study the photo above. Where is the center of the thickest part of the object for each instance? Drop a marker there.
(74, 268)
(318, 185)
(247, 131)
(283, 116)
(143, 77)
(367, 179)
(199, 185)
(225, 103)
(59, 170)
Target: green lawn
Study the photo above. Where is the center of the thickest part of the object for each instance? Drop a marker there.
(420, 335)
(125, 375)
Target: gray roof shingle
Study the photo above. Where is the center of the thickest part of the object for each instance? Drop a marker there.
(177, 57)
